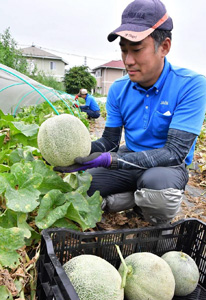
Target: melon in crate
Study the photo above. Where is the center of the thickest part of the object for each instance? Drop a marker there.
(146, 276)
(185, 272)
(94, 278)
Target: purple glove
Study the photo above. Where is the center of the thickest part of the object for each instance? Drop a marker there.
(95, 160)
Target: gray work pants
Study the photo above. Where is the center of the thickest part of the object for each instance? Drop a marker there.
(157, 191)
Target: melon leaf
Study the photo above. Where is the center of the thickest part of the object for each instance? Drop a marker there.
(2, 136)
(85, 211)
(71, 206)
(25, 153)
(24, 200)
(25, 177)
(50, 178)
(53, 207)
(8, 219)
(80, 181)
(11, 239)
(26, 129)
(4, 168)
(9, 258)
(66, 224)
(5, 293)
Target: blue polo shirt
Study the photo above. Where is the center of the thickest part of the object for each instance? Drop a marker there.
(177, 100)
(91, 102)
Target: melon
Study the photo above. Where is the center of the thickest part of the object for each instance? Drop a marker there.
(62, 138)
(94, 278)
(185, 272)
(148, 277)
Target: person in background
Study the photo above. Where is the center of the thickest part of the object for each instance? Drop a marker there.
(91, 107)
(161, 107)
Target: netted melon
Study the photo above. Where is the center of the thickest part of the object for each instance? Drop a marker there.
(148, 277)
(62, 138)
(185, 272)
(94, 278)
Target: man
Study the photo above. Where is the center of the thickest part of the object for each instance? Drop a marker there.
(161, 108)
(91, 107)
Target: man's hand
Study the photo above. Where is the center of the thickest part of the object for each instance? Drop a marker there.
(76, 97)
(95, 160)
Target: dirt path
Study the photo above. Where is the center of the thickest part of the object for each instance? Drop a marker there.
(193, 204)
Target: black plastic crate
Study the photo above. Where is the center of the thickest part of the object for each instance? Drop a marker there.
(58, 245)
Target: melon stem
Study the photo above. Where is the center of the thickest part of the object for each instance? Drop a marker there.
(126, 269)
(183, 255)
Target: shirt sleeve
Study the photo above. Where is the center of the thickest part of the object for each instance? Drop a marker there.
(114, 118)
(190, 111)
(88, 101)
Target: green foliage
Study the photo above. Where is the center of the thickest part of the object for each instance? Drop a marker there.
(103, 111)
(10, 55)
(49, 81)
(32, 196)
(11, 239)
(39, 113)
(77, 78)
(97, 95)
(5, 293)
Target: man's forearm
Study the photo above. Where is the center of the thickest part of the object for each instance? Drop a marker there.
(109, 141)
(173, 153)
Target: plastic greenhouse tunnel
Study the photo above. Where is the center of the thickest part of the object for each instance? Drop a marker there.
(18, 90)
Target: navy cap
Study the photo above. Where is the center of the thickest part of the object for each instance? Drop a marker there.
(140, 18)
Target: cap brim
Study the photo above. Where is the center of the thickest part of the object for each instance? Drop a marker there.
(132, 36)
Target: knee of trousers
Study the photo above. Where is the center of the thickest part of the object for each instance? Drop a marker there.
(118, 202)
(159, 206)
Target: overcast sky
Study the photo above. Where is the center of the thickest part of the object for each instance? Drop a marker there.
(75, 29)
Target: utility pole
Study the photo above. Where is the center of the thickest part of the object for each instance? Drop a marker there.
(85, 61)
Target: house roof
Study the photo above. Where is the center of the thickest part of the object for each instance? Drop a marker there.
(39, 53)
(113, 64)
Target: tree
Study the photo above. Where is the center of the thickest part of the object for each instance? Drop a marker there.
(77, 78)
(10, 55)
(13, 58)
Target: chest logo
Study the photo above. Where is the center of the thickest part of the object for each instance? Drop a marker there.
(164, 102)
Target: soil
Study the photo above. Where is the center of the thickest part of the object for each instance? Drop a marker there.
(193, 204)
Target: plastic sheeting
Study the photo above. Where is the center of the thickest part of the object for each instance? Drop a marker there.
(18, 90)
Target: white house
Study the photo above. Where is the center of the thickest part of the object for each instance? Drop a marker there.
(49, 63)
